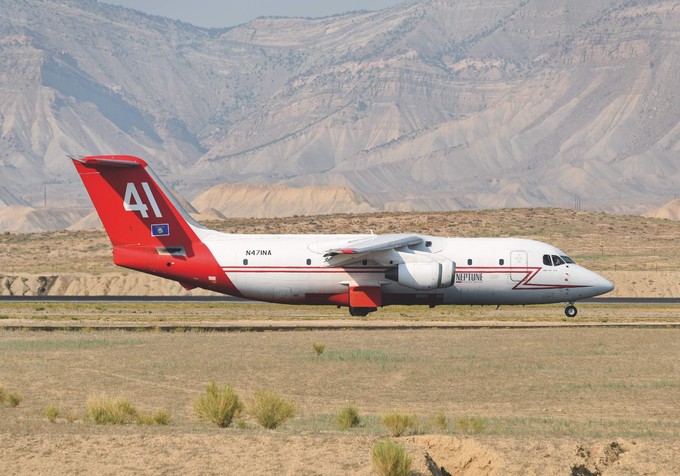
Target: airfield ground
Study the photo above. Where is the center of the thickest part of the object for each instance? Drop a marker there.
(550, 400)
(549, 395)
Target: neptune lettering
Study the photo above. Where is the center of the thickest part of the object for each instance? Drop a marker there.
(469, 277)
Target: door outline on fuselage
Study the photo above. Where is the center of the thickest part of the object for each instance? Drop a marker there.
(519, 265)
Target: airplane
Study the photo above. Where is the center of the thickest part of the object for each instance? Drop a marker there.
(152, 233)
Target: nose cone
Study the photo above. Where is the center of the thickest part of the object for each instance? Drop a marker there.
(603, 285)
(591, 284)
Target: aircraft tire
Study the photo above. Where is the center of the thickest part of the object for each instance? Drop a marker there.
(570, 311)
(361, 311)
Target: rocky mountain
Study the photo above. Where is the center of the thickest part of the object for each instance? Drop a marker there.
(429, 105)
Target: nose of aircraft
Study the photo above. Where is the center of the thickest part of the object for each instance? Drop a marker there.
(601, 285)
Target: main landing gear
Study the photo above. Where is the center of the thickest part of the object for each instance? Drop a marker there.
(571, 310)
(361, 311)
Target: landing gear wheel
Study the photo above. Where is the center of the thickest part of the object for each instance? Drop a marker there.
(361, 311)
(571, 311)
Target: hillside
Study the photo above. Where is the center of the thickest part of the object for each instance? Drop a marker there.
(670, 211)
(278, 201)
(430, 105)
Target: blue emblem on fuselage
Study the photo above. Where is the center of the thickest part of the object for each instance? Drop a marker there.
(162, 229)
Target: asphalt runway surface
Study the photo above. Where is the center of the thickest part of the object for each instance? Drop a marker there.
(322, 324)
(228, 299)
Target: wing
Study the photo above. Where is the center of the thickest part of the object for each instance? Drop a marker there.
(357, 250)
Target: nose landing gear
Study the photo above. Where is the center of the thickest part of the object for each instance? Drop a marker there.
(570, 310)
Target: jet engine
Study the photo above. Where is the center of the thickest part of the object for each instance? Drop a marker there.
(424, 275)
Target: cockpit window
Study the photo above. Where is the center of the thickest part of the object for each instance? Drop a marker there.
(557, 261)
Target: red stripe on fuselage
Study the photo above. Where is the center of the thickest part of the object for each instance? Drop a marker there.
(524, 284)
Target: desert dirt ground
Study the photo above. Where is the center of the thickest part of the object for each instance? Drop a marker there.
(593, 395)
(553, 400)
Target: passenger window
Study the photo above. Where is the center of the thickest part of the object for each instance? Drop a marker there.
(557, 260)
(469, 262)
(309, 261)
(546, 260)
(501, 261)
(245, 262)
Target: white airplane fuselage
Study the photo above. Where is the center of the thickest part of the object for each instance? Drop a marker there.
(293, 269)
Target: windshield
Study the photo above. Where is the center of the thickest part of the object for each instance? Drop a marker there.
(555, 260)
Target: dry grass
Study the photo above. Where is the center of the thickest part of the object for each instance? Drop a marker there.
(318, 348)
(471, 424)
(110, 411)
(348, 417)
(189, 313)
(269, 409)
(51, 412)
(390, 459)
(531, 387)
(104, 410)
(219, 405)
(557, 381)
(400, 424)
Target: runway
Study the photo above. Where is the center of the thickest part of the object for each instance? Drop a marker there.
(230, 299)
(637, 311)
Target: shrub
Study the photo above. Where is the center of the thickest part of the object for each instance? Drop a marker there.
(269, 409)
(318, 348)
(110, 411)
(474, 425)
(14, 399)
(51, 412)
(348, 417)
(161, 417)
(398, 423)
(219, 405)
(390, 459)
(439, 421)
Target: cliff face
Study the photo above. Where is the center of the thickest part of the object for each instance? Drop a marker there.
(428, 105)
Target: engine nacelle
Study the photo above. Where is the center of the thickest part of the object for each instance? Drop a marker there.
(427, 275)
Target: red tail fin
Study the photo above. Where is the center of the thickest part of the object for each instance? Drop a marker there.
(149, 229)
(133, 206)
